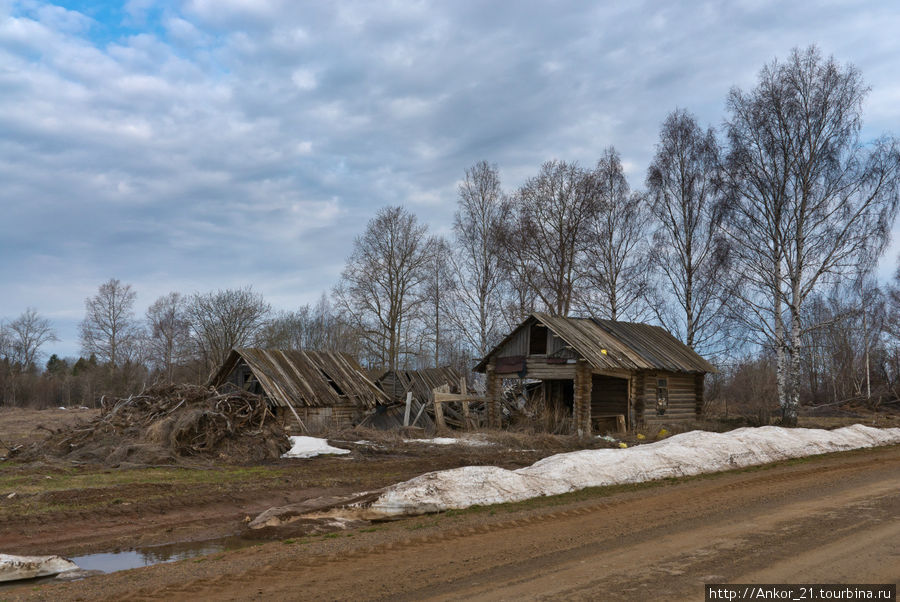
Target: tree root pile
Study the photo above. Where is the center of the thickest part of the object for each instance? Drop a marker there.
(169, 423)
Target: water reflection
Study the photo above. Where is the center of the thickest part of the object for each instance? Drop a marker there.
(109, 562)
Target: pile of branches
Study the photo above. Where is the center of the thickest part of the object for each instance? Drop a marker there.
(168, 422)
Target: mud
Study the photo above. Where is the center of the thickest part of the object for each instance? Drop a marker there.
(826, 519)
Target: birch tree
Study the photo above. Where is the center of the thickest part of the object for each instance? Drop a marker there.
(109, 329)
(168, 333)
(615, 261)
(689, 250)
(440, 287)
(477, 260)
(811, 202)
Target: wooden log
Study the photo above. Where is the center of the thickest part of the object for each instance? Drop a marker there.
(582, 407)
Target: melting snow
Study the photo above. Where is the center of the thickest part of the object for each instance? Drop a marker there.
(13, 568)
(449, 441)
(310, 447)
(681, 455)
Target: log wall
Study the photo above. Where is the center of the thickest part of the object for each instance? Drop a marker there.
(684, 405)
(582, 406)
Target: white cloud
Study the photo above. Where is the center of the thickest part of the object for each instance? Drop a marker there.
(223, 127)
(304, 79)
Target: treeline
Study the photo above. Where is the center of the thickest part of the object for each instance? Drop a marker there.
(753, 243)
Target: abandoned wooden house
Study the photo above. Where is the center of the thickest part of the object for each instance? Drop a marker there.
(607, 373)
(321, 389)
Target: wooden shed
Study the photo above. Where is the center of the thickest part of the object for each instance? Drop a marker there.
(324, 388)
(604, 370)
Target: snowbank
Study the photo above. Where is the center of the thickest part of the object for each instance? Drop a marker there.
(13, 568)
(686, 454)
(310, 447)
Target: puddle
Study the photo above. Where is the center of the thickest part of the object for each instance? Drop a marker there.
(110, 562)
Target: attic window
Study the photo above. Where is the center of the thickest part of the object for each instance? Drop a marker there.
(537, 343)
(331, 382)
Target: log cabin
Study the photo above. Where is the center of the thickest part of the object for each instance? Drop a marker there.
(611, 375)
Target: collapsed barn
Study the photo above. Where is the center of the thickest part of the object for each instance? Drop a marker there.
(321, 389)
(419, 386)
(421, 383)
(607, 374)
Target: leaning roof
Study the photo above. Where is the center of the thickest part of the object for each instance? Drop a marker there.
(420, 382)
(614, 345)
(305, 378)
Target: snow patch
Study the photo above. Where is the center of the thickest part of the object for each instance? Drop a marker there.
(449, 441)
(310, 447)
(13, 568)
(687, 454)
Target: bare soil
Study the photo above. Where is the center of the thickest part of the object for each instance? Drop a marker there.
(19, 426)
(826, 519)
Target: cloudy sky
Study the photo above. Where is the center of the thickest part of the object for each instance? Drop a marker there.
(218, 143)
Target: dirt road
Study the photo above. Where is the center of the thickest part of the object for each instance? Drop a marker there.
(827, 519)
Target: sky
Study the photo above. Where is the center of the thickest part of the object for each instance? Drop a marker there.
(211, 144)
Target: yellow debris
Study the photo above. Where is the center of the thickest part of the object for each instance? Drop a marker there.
(641, 436)
(622, 444)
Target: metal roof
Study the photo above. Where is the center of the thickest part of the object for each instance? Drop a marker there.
(613, 345)
(305, 378)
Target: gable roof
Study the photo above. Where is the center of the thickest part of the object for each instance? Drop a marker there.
(628, 345)
(305, 378)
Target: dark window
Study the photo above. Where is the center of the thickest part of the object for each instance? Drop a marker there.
(538, 341)
(662, 398)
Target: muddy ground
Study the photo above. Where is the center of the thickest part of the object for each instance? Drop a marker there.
(611, 543)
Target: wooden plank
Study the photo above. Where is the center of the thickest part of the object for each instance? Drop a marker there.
(451, 397)
(465, 404)
(439, 422)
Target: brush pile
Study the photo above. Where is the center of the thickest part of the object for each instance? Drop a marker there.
(171, 422)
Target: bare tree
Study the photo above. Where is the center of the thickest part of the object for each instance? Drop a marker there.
(812, 202)
(543, 243)
(27, 334)
(439, 290)
(225, 319)
(5, 343)
(109, 329)
(689, 249)
(477, 261)
(169, 334)
(616, 260)
(379, 287)
(288, 330)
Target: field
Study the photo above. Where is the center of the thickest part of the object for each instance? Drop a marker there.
(798, 518)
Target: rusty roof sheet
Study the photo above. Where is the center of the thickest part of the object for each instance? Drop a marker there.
(305, 378)
(627, 345)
